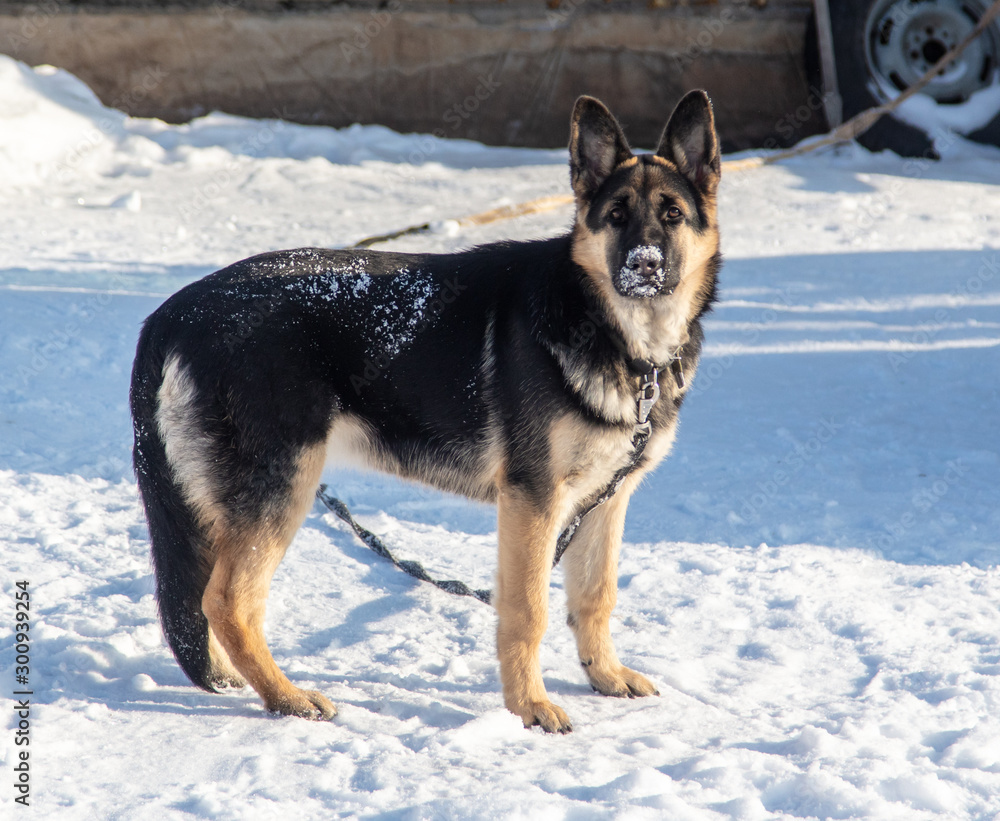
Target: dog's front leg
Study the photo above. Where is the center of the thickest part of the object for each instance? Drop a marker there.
(591, 563)
(527, 534)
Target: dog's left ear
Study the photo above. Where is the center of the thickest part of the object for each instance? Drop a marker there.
(691, 142)
(596, 146)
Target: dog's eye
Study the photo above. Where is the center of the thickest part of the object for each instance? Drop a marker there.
(674, 213)
(617, 215)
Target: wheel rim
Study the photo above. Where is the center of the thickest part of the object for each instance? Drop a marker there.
(904, 38)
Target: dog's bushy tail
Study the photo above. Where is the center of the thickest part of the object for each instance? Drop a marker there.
(178, 544)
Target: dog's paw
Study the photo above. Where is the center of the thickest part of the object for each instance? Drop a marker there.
(620, 682)
(227, 681)
(544, 714)
(309, 704)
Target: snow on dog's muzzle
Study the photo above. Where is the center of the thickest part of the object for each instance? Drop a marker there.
(642, 273)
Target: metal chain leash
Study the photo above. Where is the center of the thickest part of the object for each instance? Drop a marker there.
(414, 569)
(649, 392)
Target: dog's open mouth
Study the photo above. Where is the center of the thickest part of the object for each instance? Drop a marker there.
(642, 276)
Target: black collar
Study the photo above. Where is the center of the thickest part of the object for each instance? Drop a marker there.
(641, 367)
(644, 367)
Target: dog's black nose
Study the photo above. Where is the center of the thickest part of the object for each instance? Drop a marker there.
(645, 261)
(645, 266)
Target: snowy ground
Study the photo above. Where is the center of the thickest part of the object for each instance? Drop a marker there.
(810, 578)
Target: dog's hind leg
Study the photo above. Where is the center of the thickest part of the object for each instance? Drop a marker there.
(222, 673)
(591, 563)
(245, 558)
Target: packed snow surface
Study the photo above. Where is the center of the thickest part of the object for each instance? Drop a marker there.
(810, 578)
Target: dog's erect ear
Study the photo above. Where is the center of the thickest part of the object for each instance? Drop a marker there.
(691, 143)
(596, 146)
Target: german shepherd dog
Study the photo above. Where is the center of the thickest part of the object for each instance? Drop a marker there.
(507, 373)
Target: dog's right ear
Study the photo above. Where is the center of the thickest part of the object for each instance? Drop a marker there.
(596, 146)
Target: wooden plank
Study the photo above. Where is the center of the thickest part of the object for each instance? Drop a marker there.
(509, 79)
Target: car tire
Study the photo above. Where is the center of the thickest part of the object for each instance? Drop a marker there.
(883, 46)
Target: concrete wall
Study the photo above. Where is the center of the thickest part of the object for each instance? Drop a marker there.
(502, 73)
